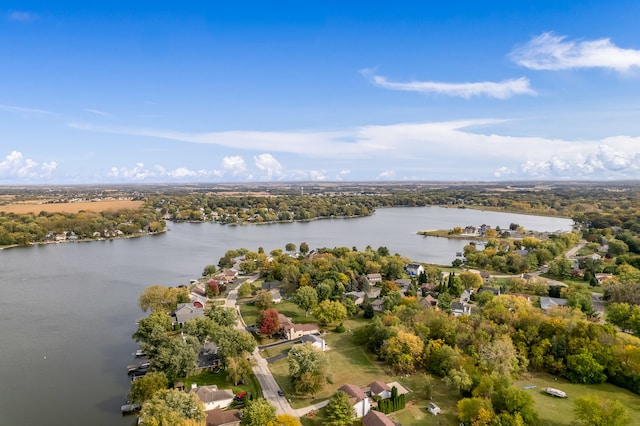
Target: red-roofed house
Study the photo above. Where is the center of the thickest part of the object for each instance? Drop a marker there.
(358, 399)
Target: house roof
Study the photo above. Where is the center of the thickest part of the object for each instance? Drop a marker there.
(305, 327)
(213, 394)
(186, 311)
(218, 417)
(376, 418)
(353, 391)
(551, 302)
(378, 387)
(312, 338)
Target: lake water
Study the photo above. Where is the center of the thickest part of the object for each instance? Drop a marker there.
(68, 310)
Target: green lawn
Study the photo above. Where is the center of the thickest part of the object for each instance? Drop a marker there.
(555, 411)
(416, 411)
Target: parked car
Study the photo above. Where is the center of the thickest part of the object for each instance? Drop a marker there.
(280, 393)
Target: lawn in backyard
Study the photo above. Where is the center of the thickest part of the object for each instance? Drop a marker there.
(207, 378)
(554, 411)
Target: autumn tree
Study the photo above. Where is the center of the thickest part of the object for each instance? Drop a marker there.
(307, 368)
(269, 322)
(329, 312)
(258, 412)
(239, 368)
(475, 411)
(285, 420)
(172, 408)
(263, 300)
(146, 386)
(470, 279)
(157, 297)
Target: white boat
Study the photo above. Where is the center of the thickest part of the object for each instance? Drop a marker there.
(556, 392)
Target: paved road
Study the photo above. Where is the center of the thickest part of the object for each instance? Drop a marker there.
(261, 369)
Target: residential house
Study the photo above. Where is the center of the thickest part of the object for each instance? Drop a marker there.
(428, 302)
(316, 341)
(356, 296)
(208, 357)
(470, 230)
(458, 309)
(466, 296)
(358, 399)
(374, 292)
(495, 291)
(485, 277)
(547, 303)
(185, 312)
(376, 418)
(379, 388)
(270, 285)
(293, 331)
(413, 269)
(374, 278)
(602, 277)
(218, 417)
(197, 300)
(403, 283)
(276, 297)
(378, 305)
(212, 397)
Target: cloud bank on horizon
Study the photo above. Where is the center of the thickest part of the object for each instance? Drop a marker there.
(538, 109)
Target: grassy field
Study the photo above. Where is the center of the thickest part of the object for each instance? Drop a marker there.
(95, 206)
(287, 308)
(558, 411)
(346, 363)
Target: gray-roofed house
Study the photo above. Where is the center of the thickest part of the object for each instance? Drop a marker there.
(316, 341)
(212, 397)
(547, 303)
(374, 278)
(458, 309)
(356, 296)
(185, 312)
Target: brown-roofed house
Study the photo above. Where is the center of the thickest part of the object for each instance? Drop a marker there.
(293, 331)
(376, 418)
(381, 389)
(358, 399)
(218, 417)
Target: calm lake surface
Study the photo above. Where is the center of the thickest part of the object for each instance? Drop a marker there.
(68, 310)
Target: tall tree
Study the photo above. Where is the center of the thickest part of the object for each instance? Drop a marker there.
(339, 410)
(329, 312)
(146, 386)
(306, 298)
(263, 300)
(171, 408)
(307, 368)
(269, 322)
(258, 412)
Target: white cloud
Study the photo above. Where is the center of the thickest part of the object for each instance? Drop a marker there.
(23, 110)
(342, 174)
(387, 175)
(21, 16)
(268, 165)
(16, 166)
(551, 52)
(234, 165)
(317, 175)
(500, 90)
(98, 112)
(137, 173)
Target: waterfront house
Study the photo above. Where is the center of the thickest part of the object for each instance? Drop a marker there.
(185, 312)
(357, 399)
(212, 397)
(413, 269)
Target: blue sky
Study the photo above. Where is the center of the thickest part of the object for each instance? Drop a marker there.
(142, 91)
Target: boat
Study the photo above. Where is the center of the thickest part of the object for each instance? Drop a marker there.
(555, 392)
(139, 353)
(129, 408)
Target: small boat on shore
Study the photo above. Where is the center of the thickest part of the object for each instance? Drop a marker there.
(555, 392)
(129, 408)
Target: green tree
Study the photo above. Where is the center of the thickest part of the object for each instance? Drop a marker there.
(209, 270)
(339, 410)
(233, 342)
(304, 248)
(475, 411)
(290, 247)
(245, 289)
(470, 279)
(306, 298)
(329, 312)
(172, 408)
(593, 410)
(157, 297)
(158, 321)
(146, 386)
(258, 412)
(176, 357)
(224, 317)
(584, 368)
(515, 401)
(239, 368)
(392, 299)
(307, 368)
(263, 300)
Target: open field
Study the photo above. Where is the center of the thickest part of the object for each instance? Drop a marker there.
(95, 206)
(555, 411)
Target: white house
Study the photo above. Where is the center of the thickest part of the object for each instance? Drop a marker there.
(381, 389)
(316, 341)
(458, 309)
(414, 269)
(374, 278)
(358, 399)
(212, 397)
